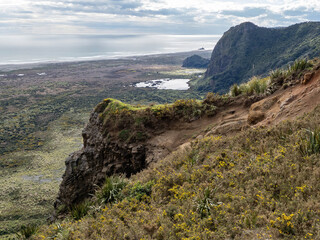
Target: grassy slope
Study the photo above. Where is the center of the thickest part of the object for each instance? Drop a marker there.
(255, 185)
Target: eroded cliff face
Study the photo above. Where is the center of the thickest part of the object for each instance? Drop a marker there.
(100, 157)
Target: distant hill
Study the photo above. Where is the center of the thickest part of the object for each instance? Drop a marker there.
(195, 61)
(247, 50)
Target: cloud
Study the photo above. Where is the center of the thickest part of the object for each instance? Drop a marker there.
(246, 12)
(157, 16)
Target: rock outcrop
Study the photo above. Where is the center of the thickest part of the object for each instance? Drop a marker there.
(100, 157)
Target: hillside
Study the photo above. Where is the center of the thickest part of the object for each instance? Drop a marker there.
(222, 168)
(247, 50)
(195, 61)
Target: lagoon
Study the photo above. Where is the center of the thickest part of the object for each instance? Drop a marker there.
(166, 83)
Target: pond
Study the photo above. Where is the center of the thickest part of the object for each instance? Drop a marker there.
(166, 83)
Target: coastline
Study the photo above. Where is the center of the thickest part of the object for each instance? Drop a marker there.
(35, 64)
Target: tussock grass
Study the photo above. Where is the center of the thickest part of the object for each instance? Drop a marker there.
(258, 86)
(27, 231)
(255, 86)
(80, 210)
(292, 71)
(310, 144)
(111, 191)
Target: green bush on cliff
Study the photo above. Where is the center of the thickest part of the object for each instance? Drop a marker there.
(111, 191)
(80, 210)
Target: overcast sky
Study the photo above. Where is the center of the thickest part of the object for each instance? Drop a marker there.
(146, 16)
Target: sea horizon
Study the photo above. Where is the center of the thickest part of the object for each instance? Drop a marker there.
(37, 49)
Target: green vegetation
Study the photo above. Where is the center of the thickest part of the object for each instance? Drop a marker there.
(247, 50)
(80, 210)
(294, 70)
(30, 180)
(27, 231)
(253, 185)
(256, 86)
(132, 123)
(111, 191)
(310, 144)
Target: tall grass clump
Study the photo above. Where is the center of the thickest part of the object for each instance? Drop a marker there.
(256, 86)
(80, 210)
(111, 190)
(27, 231)
(311, 143)
(298, 66)
(280, 75)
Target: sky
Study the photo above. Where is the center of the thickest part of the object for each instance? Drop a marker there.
(148, 17)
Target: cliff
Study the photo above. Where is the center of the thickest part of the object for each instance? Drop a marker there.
(247, 50)
(124, 139)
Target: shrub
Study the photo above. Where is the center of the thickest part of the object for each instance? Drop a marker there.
(111, 190)
(80, 210)
(235, 90)
(255, 86)
(205, 203)
(278, 76)
(27, 231)
(140, 190)
(298, 66)
(311, 143)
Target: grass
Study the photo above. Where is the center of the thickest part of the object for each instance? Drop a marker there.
(259, 86)
(279, 76)
(253, 185)
(310, 143)
(255, 86)
(134, 123)
(111, 191)
(80, 210)
(30, 179)
(27, 231)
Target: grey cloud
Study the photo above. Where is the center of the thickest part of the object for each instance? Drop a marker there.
(295, 12)
(246, 12)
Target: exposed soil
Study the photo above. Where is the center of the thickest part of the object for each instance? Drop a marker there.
(284, 104)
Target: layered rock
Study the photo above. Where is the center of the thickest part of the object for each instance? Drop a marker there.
(100, 157)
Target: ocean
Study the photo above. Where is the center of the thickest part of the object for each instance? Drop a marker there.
(19, 49)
